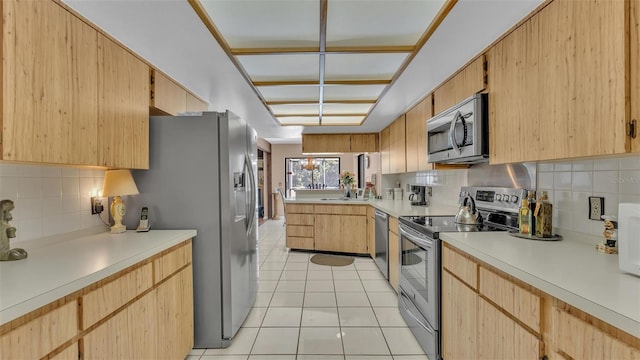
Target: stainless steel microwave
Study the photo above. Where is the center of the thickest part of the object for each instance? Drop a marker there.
(459, 135)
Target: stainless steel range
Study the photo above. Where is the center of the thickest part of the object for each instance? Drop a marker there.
(419, 297)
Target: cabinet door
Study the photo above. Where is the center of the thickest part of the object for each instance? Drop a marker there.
(195, 104)
(175, 315)
(557, 84)
(312, 143)
(459, 319)
(634, 69)
(130, 334)
(398, 150)
(385, 151)
(468, 81)
(416, 135)
(364, 142)
(124, 107)
(500, 337)
(50, 100)
(341, 233)
(168, 97)
(394, 259)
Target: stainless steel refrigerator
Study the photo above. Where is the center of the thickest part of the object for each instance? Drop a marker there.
(202, 175)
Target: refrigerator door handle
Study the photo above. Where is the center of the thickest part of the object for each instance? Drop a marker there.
(253, 195)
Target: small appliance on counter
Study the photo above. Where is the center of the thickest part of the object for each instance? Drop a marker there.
(397, 194)
(419, 195)
(628, 240)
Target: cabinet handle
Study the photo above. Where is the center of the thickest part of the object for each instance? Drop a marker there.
(631, 128)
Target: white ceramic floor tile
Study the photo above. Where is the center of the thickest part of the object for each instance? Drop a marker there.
(282, 317)
(267, 285)
(276, 341)
(197, 352)
(276, 257)
(348, 285)
(319, 275)
(272, 357)
(383, 298)
(255, 317)
(370, 275)
(224, 357)
(320, 357)
(410, 357)
(262, 299)
(290, 286)
(287, 299)
(357, 316)
(364, 341)
(343, 268)
(345, 275)
(402, 342)
(376, 285)
(320, 341)
(269, 275)
(321, 316)
(298, 257)
(272, 266)
(366, 266)
(293, 275)
(358, 299)
(295, 266)
(241, 344)
(319, 299)
(389, 316)
(368, 357)
(362, 259)
(319, 286)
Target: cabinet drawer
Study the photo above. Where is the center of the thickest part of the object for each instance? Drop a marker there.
(341, 209)
(461, 266)
(393, 224)
(295, 242)
(371, 211)
(300, 230)
(106, 299)
(171, 262)
(300, 219)
(516, 300)
(299, 208)
(40, 336)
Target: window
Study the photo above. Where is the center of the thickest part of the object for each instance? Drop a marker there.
(311, 173)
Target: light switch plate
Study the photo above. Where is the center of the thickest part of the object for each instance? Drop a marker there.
(596, 207)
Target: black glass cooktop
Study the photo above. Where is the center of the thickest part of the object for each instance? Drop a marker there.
(433, 225)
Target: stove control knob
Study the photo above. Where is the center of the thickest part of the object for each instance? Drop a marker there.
(498, 197)
(514, 199)
(505, 197)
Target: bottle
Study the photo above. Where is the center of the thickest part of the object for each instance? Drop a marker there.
(532, 207)
(524, 218)
(544, 215)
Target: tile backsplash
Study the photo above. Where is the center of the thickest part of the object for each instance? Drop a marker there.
(445, 183)
(570, 183)
(49, 200)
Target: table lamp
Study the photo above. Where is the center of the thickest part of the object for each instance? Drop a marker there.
(116, 184)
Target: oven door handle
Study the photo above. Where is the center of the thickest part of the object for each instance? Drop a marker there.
(408, 311)
(418, 240)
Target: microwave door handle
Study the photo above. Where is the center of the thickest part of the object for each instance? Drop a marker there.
(452, 132)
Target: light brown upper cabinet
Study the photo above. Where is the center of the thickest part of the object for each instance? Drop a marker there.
(397, 146)
(49, 101)
(327, 143)
(416, 135)
(470, 80)
(385, 150)
(634, 70)
(169, 98)
(123, 117)
(558, 84)
(364, 142)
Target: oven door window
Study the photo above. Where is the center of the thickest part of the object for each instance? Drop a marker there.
(418, 270)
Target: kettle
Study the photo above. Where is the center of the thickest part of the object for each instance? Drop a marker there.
(468, 215)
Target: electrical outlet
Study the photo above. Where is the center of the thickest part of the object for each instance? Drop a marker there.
(96, 205)
(596, 207)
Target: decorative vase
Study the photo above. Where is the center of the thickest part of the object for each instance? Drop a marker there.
(347, 190)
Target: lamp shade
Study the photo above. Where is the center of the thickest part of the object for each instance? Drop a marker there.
(118, 182)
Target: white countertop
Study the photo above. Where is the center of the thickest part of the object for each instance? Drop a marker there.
(55, 269)
(570, 270)
(394, 208)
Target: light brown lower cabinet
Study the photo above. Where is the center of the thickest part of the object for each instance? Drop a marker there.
(128, 315)
(394, 254)
(491, 315)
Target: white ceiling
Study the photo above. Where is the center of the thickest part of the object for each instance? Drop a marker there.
(170, 35)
